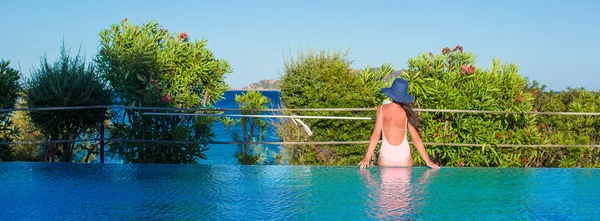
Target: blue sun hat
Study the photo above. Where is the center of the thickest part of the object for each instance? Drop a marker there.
(398, 92)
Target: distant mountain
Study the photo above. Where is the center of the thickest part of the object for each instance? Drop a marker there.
(272, 84)
(395, 74)
(267, 84)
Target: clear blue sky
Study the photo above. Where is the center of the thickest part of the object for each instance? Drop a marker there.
(553, 41)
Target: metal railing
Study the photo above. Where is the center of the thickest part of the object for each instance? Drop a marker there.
(294, 110)
(178, 112)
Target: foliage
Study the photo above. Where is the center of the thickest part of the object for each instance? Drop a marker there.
(28, 132)
(67, 82)
(567, 129)
(375, 79)
(451, 81)
(149, 66)
(9, 89)
(253, 128)
(325, 80)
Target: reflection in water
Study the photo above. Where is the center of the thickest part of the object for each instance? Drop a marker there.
(397, 193)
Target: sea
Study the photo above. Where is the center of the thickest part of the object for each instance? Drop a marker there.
(224, 153)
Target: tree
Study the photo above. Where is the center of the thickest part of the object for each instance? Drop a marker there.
(253, 128)
(147, 66)
(325, 80)
(9, 89)
(66, 82)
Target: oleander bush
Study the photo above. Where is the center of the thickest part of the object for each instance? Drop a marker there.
(148, 66)
(452, 81)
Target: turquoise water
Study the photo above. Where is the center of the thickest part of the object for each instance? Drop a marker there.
(41, 191)
(223, 153)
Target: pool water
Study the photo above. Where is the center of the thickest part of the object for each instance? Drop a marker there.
(43, 191)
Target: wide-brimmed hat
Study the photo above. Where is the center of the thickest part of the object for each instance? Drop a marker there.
(398, 92)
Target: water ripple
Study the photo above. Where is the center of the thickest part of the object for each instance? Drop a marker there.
(39, 191)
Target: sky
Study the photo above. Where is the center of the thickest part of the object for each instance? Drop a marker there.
(553, 41)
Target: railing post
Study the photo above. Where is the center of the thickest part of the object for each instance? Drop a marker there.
(102, 115)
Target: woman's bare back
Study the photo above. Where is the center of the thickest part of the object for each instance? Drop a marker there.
(394, 123)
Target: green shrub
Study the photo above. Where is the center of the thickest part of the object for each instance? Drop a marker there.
(67, 82)
(451, 81)
(325, 80)
(253, 129)
(568, 129)
(28, 132)
(9, 89)
(149, 66)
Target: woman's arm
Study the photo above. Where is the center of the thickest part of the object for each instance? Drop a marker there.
(414, 134)
(375, 136)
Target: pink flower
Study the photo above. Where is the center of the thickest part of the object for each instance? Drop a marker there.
(467, 70)
(166, 98)
(124, 20)
(461, 163)
(463, 69)
(183, 36)
(153, 81)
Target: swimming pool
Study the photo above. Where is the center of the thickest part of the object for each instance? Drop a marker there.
(42, 191)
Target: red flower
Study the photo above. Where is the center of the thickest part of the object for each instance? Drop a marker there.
(183, 36)
(446, 50)
(153, 81)
(166, 98)
(458, 48)
(467, 70)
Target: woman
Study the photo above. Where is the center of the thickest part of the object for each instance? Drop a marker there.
(392, 122)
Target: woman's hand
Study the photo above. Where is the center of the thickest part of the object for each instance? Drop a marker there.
(432, 165)
(364, 164)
